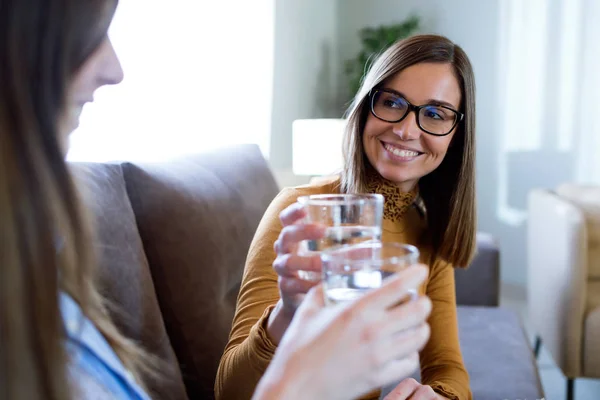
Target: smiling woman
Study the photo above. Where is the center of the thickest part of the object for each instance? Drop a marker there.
(404, 146)
(410, 137)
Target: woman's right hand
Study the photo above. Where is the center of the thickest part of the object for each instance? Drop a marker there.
(347, 350)
(288, 262)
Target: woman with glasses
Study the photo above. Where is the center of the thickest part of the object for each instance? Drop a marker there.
(410, 136)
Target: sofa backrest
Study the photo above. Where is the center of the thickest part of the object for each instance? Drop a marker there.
(173, 238)
(124, 276)
(196, 217)
(587, 199)
(479, 284)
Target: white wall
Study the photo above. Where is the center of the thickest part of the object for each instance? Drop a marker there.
(304, 87)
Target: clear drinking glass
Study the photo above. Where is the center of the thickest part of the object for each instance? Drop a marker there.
(349, 218)
(349, 272)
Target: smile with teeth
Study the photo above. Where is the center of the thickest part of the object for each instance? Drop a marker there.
(400, 152)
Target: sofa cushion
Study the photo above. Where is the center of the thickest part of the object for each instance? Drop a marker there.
(497, 355)
(479, 285)
(591, 334)
(495, 350)
(587, 198)
(197, 216)
(124, 276)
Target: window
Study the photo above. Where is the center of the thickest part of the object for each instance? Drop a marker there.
(198, 75)
(549, 57)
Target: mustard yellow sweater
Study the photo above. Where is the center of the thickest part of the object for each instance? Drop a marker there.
(250, 350)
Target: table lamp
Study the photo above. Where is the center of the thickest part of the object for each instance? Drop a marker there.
(317, 146)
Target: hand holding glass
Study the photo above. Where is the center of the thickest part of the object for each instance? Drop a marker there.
(349, 218)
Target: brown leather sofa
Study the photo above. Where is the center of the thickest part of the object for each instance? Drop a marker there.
(172, 241)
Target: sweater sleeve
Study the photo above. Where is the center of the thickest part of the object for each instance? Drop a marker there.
(442, 365)
(250, 350)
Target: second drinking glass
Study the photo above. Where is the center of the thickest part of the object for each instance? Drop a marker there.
(349, 272)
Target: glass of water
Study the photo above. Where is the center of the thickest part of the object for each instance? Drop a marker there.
(349, 218)
(349, 272)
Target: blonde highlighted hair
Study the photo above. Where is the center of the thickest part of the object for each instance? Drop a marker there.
(448, 192)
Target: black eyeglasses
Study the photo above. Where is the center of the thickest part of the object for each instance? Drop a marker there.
(437, 120)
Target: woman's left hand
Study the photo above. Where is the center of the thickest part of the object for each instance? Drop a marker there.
(410, 389)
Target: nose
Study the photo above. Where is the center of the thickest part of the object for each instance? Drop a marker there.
(112, 72)
(408, 129)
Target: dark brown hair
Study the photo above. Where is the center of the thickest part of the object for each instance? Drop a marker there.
(44, 235)
(449, 191)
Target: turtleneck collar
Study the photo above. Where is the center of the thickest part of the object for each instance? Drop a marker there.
(397, 202)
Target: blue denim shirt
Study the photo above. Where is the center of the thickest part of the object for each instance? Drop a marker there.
(95, 370)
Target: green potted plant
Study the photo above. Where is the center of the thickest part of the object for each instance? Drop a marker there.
(375, 40)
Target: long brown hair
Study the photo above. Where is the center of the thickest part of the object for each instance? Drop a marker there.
(449, 191)
(44, 234)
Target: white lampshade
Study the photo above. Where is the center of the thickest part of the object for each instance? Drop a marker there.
(317, 146)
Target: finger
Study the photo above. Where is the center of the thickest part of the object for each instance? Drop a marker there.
(291, 235)
(292, 214)
(394, 289)
(402, 318)
(404, 390)
(294, 286)
(406, 316)
(413, 339)
(424, 392)
(399, 345)
(288, 265)
(395, 370)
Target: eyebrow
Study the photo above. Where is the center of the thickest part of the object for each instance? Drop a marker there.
(433, 102)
